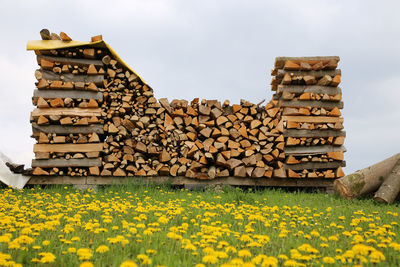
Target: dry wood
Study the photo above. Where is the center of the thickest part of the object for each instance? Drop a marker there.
(313, 133)
(74, 94)
(280, 61)
(71, 61)
(68, 77)
(65, 162)
(312, 119)
(365, 181)
(80, 112)
(65, 37)
(315, 165)
(316, 73)
(67, 148)
(313, 150)
(314, 104)
(390, 187)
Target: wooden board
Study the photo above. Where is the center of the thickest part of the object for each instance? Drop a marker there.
(68, 77)
(315, 165)
(71, 61)
(236, 181)
(61, 129)
(79, 112)
(312, 150)
(74, 94)
(313, 119)
(66, 162)
(310, 103)
(280, 61)
(317, 89)
(67, 148)
(312, 133)
(317, 73)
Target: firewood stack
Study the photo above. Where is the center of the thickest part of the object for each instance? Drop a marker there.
(96, 116)
(68, 121)
(308, 93)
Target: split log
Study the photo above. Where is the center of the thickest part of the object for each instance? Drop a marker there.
(390, 187)
(365, 181)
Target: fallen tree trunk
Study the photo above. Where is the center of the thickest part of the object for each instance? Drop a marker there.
(366, 180)
(390, 188)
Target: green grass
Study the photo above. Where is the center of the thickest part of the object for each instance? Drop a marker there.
(270, 223)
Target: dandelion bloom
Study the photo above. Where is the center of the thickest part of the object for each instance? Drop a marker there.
(328, 260)
(102, 249)
(47, 257)
(244, 253)
(210, 259)
(128, 263)
(86, 264)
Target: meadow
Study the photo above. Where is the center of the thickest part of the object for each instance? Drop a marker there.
(147, 225)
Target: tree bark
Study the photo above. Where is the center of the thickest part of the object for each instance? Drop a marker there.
(390, 188)
(366, 180)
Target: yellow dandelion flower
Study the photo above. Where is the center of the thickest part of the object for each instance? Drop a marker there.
(46, 243)
(377, 256)
(86, 264)
(47, 257)
(210, 259)
(71, 250)
(84, 253)
(151, 251)
(145, 259)
(291, 263)
(244, 253)
(102, 249)
(76, 238)
(328, 260)
(128, 263)
(283, 257)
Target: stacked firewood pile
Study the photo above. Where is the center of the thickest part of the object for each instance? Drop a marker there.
(68, 121)
(308, 93)
(96, 116)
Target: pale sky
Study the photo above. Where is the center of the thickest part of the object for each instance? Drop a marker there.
(220, 49)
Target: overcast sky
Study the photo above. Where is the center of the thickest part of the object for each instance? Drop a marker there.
(219, 50)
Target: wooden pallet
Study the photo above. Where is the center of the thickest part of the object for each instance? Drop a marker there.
(320, 183)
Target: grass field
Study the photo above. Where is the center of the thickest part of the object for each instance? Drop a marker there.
(137, 225)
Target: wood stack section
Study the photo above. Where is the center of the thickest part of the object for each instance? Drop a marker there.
(307, 92)
(95, 116)
(68, 121)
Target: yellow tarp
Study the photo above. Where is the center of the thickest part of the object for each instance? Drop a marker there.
(57, 44)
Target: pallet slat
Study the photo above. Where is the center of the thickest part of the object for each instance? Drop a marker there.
(317, 73)
(313, 119)
(74, 94)
(312, 150)
(309, 89)
(179, 180)
(315, 165)
(312, 133)
(71, 61)
(310, 103)
(60, 129)
(68, 77)
(66, 162)
(67, 148)
(79, 112)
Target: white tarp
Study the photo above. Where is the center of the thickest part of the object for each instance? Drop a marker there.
(16, 181)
